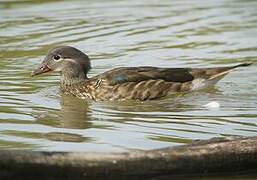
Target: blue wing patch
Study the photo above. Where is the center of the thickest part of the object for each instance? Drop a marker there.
(119, 78)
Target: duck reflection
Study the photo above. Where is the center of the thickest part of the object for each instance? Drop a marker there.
(76, 113)
(73, 114)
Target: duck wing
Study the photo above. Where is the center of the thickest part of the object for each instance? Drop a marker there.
(180, 75)
(138, 74)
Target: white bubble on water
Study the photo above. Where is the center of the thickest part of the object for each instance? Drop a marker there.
(212, 105)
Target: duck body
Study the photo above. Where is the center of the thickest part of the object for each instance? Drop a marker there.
(125, 83)
(144, 83)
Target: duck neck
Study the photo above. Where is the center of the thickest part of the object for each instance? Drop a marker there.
(72, 76)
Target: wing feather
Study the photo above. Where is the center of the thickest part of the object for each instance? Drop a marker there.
(180, 75)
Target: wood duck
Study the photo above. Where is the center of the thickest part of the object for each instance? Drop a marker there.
(124, 83)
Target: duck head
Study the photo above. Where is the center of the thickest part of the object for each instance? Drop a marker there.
(72, 64)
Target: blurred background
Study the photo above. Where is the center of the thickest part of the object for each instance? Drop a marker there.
(164, 33)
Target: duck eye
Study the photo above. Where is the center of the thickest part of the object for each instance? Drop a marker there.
(57, 57)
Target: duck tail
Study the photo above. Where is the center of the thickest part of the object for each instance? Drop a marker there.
(215, 74)
(225, 71)
(242, 65)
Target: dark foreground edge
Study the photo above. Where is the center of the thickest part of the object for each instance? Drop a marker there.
(217, 155)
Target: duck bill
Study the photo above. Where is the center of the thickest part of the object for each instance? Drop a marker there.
(41, 69)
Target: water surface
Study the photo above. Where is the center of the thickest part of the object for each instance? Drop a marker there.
(35, 116)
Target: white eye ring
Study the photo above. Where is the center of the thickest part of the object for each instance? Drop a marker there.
(56, 57)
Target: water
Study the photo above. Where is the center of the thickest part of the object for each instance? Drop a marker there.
(35, 116)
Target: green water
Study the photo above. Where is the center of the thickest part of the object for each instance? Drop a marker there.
(35, 116)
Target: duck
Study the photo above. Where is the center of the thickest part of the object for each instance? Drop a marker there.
(125, 83)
